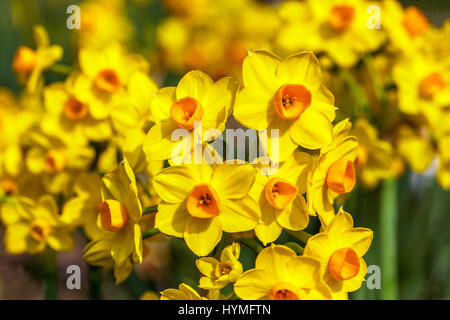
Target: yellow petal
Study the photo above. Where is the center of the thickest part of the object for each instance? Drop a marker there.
(202, 235)
(239, 215)
(295, 216)
(258, 70)
(171, 219)
(274, 260)
(174, 184)
(233, 181)
(195, 84)
(313, 130)
(254, 108)
(254, 284)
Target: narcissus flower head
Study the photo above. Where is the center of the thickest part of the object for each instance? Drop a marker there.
(280, 197)
(119, 216)
(31, 226)
(280, 274)
(340, 248)
(218, 273)
(334, 172)
(196, 99)
(286, 95)
(201, 201)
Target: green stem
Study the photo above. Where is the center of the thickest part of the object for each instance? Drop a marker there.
(251, 243)
(295, 246)
(60, 69)
(95, 282)
(149, 210)
(388, 238)
(357, 92)
(150, 233)
(300, 235)
(50, 275)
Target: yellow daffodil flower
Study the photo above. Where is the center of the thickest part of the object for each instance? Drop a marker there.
(119, 218)
(201, 201)
(56, 161)
(32, 225)
(340, 249)
(280, 274)
(196, 98)
(69, 112)
(29, 64)
(334, 172)
(286, 95)
(217, 274)
(106, 73)
(280, 197)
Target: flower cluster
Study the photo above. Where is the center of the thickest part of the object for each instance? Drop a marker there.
(100, 149)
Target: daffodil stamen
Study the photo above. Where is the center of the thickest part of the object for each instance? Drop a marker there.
(290, 100)
(222, 269)
(341, 17)
(113, 215)
(415, 22)
(75, 109)
(203, 202)
(280, 193)
(344, 264)
(40, 229)
(55, 161)
(108, 81)
(283, 291)
(431, 84)
(185, 112)
(341, 176)
(24, 60)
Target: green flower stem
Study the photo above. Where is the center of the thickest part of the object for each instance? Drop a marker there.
(357, 92)
(388, 237)
(302, 236)
(251, 243)
(60, 69)
(295, 246)
(149, 210)
(50, 275)
(150, 233)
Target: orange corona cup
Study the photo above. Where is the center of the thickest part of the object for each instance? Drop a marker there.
(107, 80)
(341, 176)
(283, 291)
(24, 60)
(75, 110)
(414, 21)
(185, 112)
(113, 215)
(291, 100)
(280, 193)
(203, 202)
(344, 264)
(430, 85)
(341, 17)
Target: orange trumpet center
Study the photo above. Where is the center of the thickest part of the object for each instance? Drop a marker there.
(75, 110)
(107, 80)
(283, 291)
(280, 193)
(341, 17)
(414, 21)
(430, 85)
(203, 202)
(40, 229)
(24, 60)
(291, 100)
(113, 215)
(55, 161)
(344, 264)
(185, 112)
(9, 185)
(341, 176)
